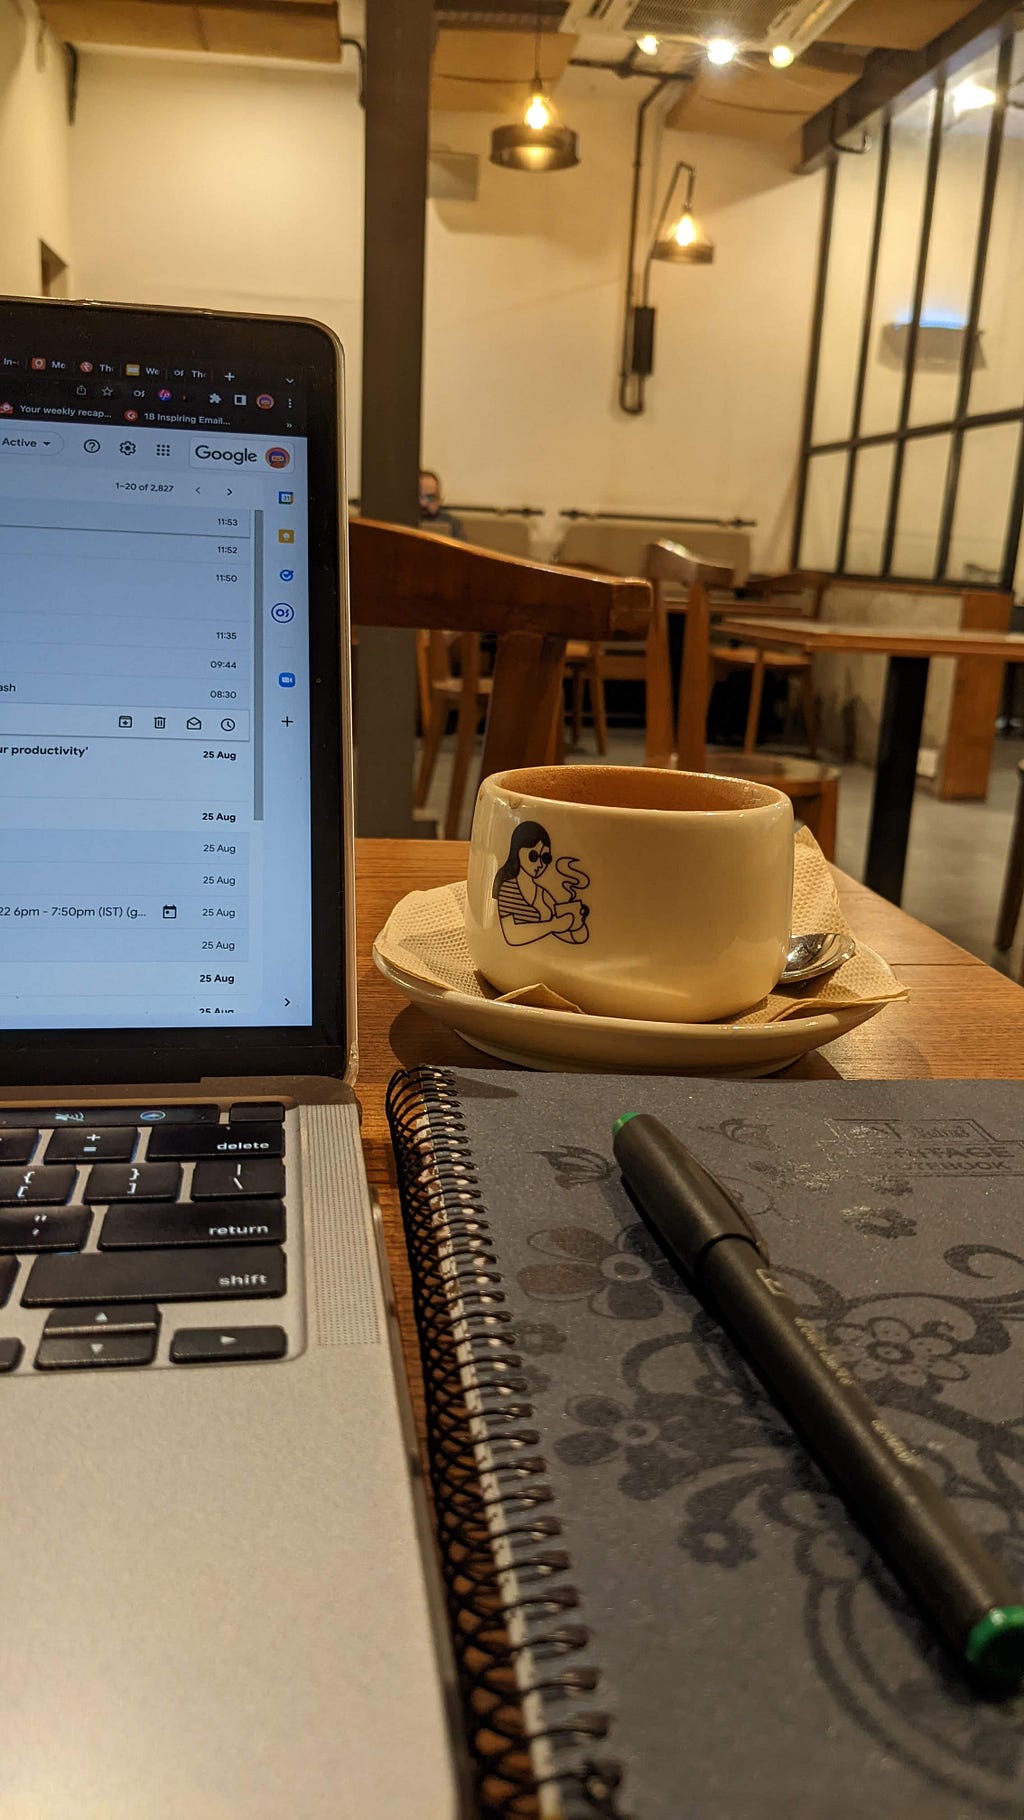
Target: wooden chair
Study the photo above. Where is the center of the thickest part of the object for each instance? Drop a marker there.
(1013, 881)
(813, 787)
(414, 579)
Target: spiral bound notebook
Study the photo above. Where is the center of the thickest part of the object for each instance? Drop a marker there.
(660, 1608)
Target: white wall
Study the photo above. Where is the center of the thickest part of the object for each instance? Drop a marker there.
(524, 313)
(34, 145)
(216, 184)
(225, 184)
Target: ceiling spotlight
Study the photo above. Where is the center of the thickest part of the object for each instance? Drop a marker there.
(781, 56)
(648, 45)
(720, 50)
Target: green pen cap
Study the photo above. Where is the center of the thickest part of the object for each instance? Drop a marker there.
(995, 1645)
(623, 1119)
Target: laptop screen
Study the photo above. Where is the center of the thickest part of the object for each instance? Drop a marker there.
(155, 809)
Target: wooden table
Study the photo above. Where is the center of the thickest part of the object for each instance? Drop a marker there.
(899, 733)
(962, 1019)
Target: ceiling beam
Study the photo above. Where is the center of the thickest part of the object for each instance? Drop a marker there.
(888, 74)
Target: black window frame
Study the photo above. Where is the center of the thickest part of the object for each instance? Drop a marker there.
(962, 420)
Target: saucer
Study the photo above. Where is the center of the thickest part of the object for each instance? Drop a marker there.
(575, 1042)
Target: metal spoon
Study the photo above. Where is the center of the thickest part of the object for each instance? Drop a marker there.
(809, 956)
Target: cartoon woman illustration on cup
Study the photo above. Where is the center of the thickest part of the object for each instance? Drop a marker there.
(526, 910)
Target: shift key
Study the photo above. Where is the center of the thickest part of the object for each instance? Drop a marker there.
(156, 1276)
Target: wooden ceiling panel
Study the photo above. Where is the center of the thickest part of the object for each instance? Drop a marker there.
(154, 26)
(490, 72)
(763, 104)
(307, 31)
(303, 29)
(891, 26)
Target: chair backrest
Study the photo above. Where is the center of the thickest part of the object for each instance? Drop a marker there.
(498, 531)
(673, 568)
(619, 544)
(415, 579)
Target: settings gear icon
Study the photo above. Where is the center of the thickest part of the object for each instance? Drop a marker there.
(127, 448)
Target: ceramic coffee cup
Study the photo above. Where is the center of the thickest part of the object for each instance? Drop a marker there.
(633, 892)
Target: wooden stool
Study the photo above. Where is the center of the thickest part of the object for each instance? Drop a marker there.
(583, 667)
(812, 787)
(1013, 881)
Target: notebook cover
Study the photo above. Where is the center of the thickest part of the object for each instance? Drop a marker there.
(756, 1658)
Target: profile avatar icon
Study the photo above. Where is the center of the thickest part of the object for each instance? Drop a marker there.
(527, 911)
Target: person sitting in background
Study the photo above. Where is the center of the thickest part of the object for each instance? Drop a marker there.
(433, 514)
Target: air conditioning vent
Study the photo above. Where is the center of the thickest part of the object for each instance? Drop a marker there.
(754, 24)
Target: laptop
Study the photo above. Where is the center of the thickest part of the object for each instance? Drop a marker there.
(217, 1591)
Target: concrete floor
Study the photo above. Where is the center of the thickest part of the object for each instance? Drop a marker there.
(957, 850)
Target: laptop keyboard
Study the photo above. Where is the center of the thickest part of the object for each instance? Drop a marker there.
(113, 1217)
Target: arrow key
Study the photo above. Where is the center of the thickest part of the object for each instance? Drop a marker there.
(112, 1317)
(73, 1352)
(212, 1345)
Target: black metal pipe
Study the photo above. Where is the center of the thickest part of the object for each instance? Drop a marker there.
(357, 45)
(635, 408)
(814, 354)
(971, 334)
(865, 346)
(657, 518)
(910, 357)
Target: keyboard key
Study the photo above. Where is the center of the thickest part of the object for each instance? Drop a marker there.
(8, 1272)
(132, 1317)
(50, 1117)
(92, 1142)
(17, 1146)
(247, 1112)
(217, 1140)
(10, 1354)
(155, 1276)
(129, 1228)
(45, 1186)
(220, 1345)
(133, 1182)
(79, 1351)
(230, 1181)
(42, 1231)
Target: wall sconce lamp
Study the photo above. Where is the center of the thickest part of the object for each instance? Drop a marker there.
(679, 239)
(537, 142)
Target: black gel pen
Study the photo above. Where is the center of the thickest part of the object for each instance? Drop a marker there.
(711, 1241)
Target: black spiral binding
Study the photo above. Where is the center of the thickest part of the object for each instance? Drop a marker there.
(522, 1609)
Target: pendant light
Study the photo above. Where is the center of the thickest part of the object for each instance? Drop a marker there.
(537, 142)
(679, 236)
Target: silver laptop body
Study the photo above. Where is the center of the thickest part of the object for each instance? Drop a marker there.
(217, 1588)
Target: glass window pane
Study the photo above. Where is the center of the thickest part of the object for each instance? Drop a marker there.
(997, 383)
(987, 464)
(897, 265)
(819, 538)
(869, 508)
(921, 494)
(849, 252)
(966, 120)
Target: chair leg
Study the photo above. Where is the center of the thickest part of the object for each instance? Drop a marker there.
(810, 708)
(819, 813)
(433, 733)
(578, 681)
(1013, 882)
(597, 702)
(465, 737)
(423, 689)
(754, 709)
